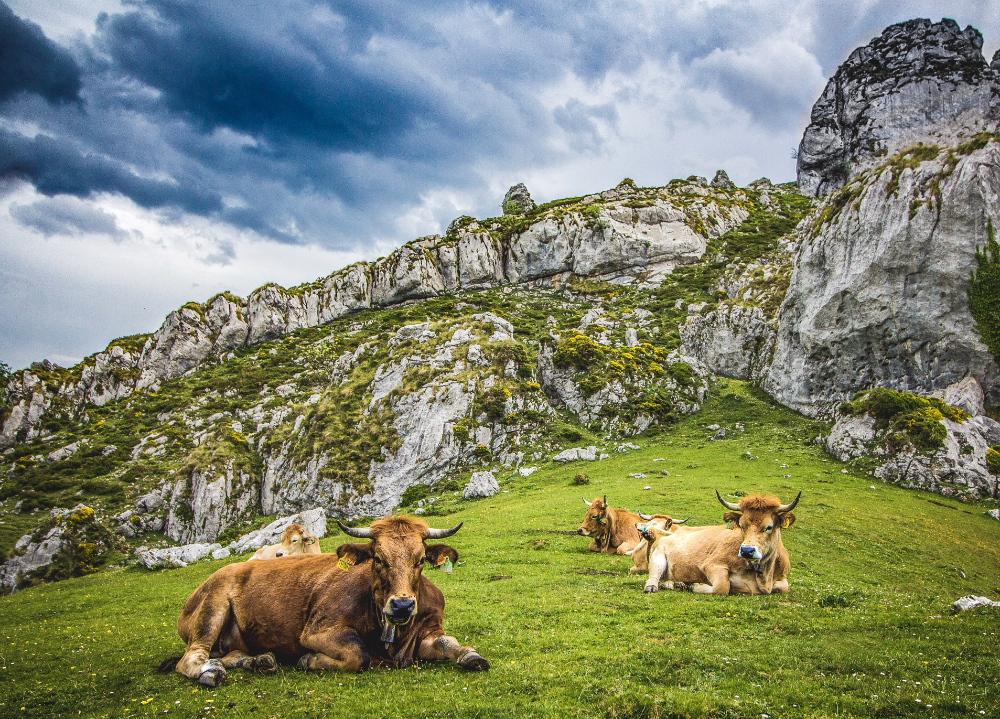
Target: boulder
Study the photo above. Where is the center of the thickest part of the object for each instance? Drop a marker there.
(482, 484)
(175, 557)
(585, 453)
(517, 201)
(971, 601)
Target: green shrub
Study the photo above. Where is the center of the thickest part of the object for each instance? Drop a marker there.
(495, 402)
(413, 494)
(581, 479)
(481, 451)
(993, 460)
(912, 419)
(984, 292)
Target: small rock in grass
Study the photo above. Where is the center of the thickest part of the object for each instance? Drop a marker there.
(995, 513)
(647, 487)
(482, 484)
(971, 601)
(637, 475)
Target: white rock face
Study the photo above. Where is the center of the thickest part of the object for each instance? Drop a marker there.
(174, 557)
(917, 82)
(880, 298)
(851, 437)
(424, 422)
(967, 395)
(527, 471)
(205, 505)
(482, 484)
(36, 555)
(312, 521)
(732, 341)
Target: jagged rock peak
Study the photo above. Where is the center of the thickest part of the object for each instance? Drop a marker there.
(916, 82)
(722, 181)
(517, 201)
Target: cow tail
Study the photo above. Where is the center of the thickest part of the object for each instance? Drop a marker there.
(168, 665)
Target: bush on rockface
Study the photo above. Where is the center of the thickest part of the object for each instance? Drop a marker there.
(984, 292)
(912, 419)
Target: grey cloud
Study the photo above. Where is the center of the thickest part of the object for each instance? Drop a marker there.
(30, 62)
(68, 216)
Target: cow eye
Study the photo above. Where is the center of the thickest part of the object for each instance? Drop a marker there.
(768, 528)
(376, 559)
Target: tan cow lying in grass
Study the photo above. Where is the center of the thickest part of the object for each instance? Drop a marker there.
(294, 540)
(612, 530)
(720, 560)
(650, 529)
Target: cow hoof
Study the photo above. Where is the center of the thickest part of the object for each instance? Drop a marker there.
(303, 662)
(213, 674)
(474, 663)
(682, 587)
(265, 664)
(650, 588)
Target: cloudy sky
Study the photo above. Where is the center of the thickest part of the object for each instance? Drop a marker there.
(154, 152)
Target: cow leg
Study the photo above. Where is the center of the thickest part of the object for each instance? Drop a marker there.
(447, 647)
(626, 548)
(264, 663)
(780, 587)
(657, 566)
(718, 578)
(341, 650)
(204, 626)
(594, 546)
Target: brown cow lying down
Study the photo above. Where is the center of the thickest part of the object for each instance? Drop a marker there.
(294, 540)
(720, 560)
(650, 529)
(368, 602)
(612, 530)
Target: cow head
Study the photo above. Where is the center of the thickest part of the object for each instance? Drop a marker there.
(310, 545)
(292, 541)
(657, 525)
(397, 551)
(595, 521)
(760, 518)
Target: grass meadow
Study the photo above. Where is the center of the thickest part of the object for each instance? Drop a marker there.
(865, 631)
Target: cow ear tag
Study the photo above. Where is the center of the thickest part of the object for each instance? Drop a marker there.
(729, 524)
(342, 563)
(785, 521)
(447, 566)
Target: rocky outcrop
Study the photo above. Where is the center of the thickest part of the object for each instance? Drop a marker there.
(212, 499)
(879, 293)
(733, 341)
(517, 201)
(917, 82)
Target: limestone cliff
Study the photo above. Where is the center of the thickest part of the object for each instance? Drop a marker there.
(916, 82)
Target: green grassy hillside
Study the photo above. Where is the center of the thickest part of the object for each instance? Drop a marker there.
(865, 630)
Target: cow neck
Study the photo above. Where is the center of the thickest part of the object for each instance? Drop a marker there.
(764, 569)
(608, 527)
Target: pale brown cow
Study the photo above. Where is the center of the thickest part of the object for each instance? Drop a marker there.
(368, 602)
(294, 540)
(650, 529)
(612, 530)
(720, 560)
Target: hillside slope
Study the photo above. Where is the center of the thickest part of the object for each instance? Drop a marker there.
(865, 630)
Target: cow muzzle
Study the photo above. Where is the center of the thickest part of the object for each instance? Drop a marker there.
(399, 610)
(751, 554)
(583, 532)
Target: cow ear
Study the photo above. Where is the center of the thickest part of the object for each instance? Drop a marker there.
(732, 517)
(355, 553)
(437, 553)
(787, 520)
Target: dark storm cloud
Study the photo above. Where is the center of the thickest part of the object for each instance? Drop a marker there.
(30, 62)
(324, 120)
(56, 166)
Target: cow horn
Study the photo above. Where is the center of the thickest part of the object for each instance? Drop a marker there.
(789, 507)
(360, 533)
(644, 516)
(586, 502)
(442, 533)
(681, 521)
(727, 505)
